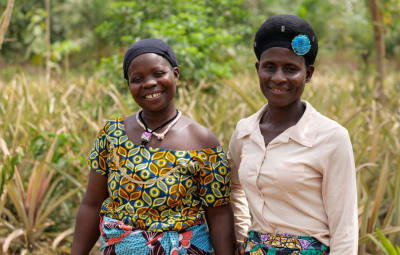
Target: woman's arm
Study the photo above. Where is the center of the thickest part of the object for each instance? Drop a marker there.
(220, 224)
(87, 221)
(239, 201)
(219, 218)
(339, 193)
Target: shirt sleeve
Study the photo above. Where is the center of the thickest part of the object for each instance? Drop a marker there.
(339, 193)
(240, 206)
(214, 178)
(97, 159)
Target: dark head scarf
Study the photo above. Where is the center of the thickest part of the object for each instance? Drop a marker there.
(281, 30)
(150, 45)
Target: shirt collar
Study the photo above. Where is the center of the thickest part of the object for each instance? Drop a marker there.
(252, 123)
(303, 132)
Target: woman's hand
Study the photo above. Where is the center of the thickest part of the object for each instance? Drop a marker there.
(239, 248)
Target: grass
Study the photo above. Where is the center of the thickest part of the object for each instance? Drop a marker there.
(47, 129)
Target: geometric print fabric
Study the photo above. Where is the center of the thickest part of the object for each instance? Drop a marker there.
(187, 181)
(283, 244)
(117, 238)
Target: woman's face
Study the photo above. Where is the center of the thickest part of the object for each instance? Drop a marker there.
(152, 81)
(282, 75)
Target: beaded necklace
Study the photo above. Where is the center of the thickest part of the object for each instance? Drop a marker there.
(147, 134)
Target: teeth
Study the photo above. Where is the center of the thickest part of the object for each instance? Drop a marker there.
(278, 90)
(152, 95)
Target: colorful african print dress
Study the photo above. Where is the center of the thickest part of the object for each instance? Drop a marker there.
(157, 196)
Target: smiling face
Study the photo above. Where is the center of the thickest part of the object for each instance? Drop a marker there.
(152, 82)
(282, 75)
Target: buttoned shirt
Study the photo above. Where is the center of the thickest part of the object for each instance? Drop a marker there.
(303, 182)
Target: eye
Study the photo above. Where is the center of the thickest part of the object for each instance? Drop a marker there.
(136, 79)
(291, 69)
(268, 67)
(159, 74)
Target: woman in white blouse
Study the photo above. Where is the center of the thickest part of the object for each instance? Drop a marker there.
(293, 175)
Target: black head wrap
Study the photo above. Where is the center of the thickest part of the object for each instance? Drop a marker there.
(280, 30)
(150, 45)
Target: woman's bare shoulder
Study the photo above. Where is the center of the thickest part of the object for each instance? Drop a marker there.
(199, 136)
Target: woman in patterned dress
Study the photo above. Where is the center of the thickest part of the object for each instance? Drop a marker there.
(292, 168)
(155, 175)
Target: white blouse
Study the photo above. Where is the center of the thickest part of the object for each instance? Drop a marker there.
(303, 182)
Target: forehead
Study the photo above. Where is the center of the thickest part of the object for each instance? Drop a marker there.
(148, 61)
(281, 55)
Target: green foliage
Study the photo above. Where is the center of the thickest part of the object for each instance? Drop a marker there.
(391, 19)
(203, 34)
(7, 168)
(47, 128)
(385, 244)
(341, 25)
(72, 30)
(35, 195)
(61, 50)
(206, 35)
(56, 124)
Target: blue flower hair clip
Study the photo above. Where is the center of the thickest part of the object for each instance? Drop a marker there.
(301, 45)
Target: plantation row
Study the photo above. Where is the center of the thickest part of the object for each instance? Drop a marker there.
(47, 129)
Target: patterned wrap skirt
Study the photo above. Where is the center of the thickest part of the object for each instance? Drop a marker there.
(283, 244)
(120, 239)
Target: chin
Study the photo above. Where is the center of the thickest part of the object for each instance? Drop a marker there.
(282, 103)
(278, 102)
(155, 107)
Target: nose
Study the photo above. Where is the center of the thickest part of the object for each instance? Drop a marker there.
(150, 82)
(278, 76)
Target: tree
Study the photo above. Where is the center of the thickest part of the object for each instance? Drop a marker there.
(5, 20)
(379, 46)
(204, 34)
(48, 42)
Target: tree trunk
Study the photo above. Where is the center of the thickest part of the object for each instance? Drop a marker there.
(48, 43)
(379, 48)
(5, 21)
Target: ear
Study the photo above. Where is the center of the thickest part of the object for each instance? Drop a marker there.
(257, 65)
(309, 73)
(175, 70)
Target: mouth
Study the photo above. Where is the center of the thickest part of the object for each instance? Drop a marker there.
(152, 95)
(279, 91)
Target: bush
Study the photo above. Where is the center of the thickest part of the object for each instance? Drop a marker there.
(203, 34)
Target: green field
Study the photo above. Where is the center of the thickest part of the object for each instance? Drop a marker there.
(48, 123)
(47, 129)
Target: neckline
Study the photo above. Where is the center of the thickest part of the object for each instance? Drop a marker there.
(151, 148)
(294, 132)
